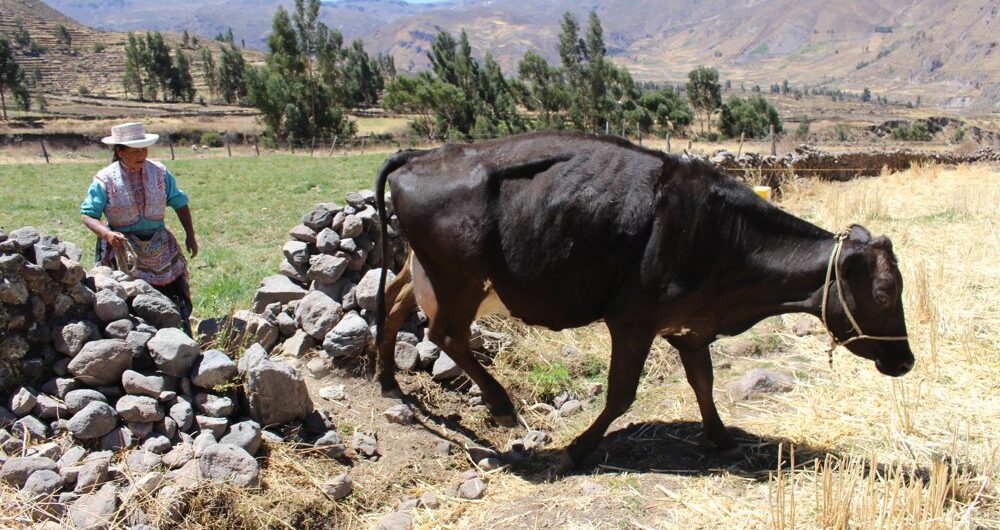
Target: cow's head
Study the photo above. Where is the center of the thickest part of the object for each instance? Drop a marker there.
(873, 289)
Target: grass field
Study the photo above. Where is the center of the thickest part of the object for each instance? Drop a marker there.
(242, 207)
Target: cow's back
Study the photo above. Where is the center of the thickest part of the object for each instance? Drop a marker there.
(552, 221)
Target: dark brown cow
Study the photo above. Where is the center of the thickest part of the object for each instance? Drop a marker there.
(563, 229)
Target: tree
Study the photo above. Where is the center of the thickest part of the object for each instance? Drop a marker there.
(547, 94)
(185, 39)
(232, 75)
(866, 95)
(135, 51)
(20, 35)
(158, 64)
(11, 78)
(361, 76)
(704, 92)
(669, 110)
(64, 38)
(210, 73)
(752, 116)
(181, 82)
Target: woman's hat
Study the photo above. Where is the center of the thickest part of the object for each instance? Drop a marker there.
(131, 135)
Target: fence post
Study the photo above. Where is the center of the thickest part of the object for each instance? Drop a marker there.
(170, 142)
(774, 142)
(690, 146)
(312, 146)
(45, 152)
(740, 150)
(255, 148)
(668, 142)
(638, 132)
(334, 144)
(228, 149)
(363, 141)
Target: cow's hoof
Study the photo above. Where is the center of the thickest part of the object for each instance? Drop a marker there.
(505, 420)
(564, 463)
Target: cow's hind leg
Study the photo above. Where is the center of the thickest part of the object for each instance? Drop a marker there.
(698, 369)
(629, 349)
(449, 329)
(400, 301)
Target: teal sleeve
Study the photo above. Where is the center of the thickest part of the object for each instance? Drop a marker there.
(95, 201)
(176, 198)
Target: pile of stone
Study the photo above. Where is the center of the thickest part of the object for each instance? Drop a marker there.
(106, 400)
(324, 299)
(808, 161)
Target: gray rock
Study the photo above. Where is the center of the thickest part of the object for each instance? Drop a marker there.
(76, 400)
(181, 454)
(407, 356)
(252, 356)
(101, 362)
(23, 401)
(570, 407)
(50, 408)
(318, 218)
(348, 338)
(16, 471)
(395, 521)
(119, 438)
(158, 444)
(13, 291)
(473, 488)
(401, 414)
(429, 500)
(109, 307)
(333, 392)
(331, 445)
(365, 444)
(319, 367)
(47, 256)
(276, 288)
(327, 241)
(320, 421)
(340, 487)
(30, 427)
(48, 450)
(71, 456)
(139, 430)
(203, 441)
(142, 409)
(119, 329)
(317, 314)
(153, 385)
(245, 435)
(43, 483)
(428, 353)
(173, 351)
(25, 237)
(293, 272)
(368, 288)
(324, 268)
(137, 341)
(157, 309)
(69, 339)
(94, 420)
(298, 344)
(303, 233)
(146, 486)
(248, 327)
(136, 287)
(353, 226)
(141, 462)
(231, 464)
(92, 472)
(213, 368)
(95, 511)
(182, 413)
(212, 405)
(535, 440)
(211, 424)
(760, 381)
(445, 368)
(276, 392)
(296, 252)
(286, 324)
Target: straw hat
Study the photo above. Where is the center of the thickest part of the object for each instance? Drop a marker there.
(131, 135)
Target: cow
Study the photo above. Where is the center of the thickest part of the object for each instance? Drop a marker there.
(563, 229)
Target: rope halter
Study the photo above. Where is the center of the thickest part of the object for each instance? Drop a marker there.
(833, 268)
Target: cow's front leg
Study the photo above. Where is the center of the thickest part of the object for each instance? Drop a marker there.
(698, 369)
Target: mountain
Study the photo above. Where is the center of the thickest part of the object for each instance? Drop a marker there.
(943, 52)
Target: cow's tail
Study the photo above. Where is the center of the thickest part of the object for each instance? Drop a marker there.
(394, 162)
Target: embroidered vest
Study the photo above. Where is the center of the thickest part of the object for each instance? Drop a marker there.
(130, 199)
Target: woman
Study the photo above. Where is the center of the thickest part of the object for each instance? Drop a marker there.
(133, 193)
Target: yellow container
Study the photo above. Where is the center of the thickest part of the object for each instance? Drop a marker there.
(763, 191)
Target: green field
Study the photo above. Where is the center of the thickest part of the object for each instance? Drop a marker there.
(242, 208)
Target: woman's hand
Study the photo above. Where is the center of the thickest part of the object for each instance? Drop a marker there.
(115, 239)
(192, 245)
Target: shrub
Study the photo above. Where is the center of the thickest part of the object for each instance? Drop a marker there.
(83, 90)
(915, 132)
(958, 136)
(802, 131)
(268, 141)
(99, 47)
(841, 133)
(212, 139)
(752, 116)
(43, 105)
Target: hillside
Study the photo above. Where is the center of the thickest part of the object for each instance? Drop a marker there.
(96, 60)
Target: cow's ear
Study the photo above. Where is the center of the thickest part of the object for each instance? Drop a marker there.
(860, 234)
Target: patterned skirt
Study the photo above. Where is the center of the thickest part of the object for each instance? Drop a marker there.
(159, 260)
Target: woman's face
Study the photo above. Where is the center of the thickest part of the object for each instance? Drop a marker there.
(133, 157)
